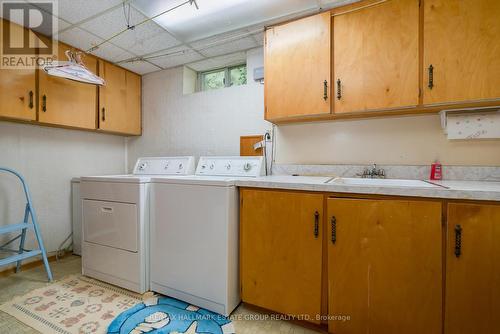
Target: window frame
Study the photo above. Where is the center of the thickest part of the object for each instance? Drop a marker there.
(226, 80)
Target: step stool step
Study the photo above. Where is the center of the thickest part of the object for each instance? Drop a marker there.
(17, 257)
(14, 227)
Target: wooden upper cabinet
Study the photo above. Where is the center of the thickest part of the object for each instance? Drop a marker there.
(297, 68)
(17, 87)
(385, 266)
(280, 250)
(119, 100)
(376, 57)
(473, 273)
(66, 102)
(461, 43)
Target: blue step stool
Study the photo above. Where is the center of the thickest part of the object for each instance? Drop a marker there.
(27, 223)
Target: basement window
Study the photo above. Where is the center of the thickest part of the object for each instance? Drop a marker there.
(223, 77)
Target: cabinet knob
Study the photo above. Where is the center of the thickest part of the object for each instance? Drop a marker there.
(31, 99)
(103, 114)
(44, 103)
(316, 224)
(333, 223)
(431, 77)
(339, 89)
(325, 90)
(458, 240)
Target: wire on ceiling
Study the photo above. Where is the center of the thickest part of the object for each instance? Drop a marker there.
(129, 27)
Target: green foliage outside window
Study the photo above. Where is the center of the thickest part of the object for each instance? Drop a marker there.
(226, 77)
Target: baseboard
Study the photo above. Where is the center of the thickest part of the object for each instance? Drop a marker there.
(30, 265)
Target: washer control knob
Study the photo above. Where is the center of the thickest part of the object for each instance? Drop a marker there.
(181, 166)
(203, 166)
(247, 167)
(212, 166)
(143, 166)
(166, 166)
(228, 166)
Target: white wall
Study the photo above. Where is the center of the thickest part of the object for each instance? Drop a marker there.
(202, 123)
(412, 140)
(48, 158)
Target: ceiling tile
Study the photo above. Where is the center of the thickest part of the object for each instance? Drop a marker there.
(112, 53)
(220, 39)
(218, 62)
(75, 11)
(175, 57)
(114, 22)
(140, 67)
(62, 25)
(79, 38)
(226, 48)
(145, 39)
(214, 17)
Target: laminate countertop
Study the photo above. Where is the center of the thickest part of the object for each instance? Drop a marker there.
(468, 190)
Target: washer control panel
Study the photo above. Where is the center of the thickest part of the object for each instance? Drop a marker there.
(165, 166)
(231, 166)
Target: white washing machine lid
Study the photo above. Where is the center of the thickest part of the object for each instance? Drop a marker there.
(148, 167)
(129, 178)
(220, 181)
(220, 171)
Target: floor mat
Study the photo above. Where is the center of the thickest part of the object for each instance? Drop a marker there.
(168, 315)
(73, 305)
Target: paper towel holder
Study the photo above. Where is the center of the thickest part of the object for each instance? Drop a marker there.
(443, 113)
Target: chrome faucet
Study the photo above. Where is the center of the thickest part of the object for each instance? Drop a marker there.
(373, 173)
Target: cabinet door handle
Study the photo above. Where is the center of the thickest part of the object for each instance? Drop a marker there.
(31, 99)
(103, 114)
(458, 240)
(325, 90)
(316, 224)
(333, 222)
(339, 89)
(44, 103)
(431, 77)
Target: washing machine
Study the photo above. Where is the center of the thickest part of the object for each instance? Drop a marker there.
(195, 233)
(115, 221)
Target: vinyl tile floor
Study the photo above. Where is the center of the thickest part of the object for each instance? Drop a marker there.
(245, 320)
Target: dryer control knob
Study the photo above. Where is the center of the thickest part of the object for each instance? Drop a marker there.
(247, 167)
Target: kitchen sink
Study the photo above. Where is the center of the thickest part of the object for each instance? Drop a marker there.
(348, 181)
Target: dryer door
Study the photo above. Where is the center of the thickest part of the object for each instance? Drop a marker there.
(111, 224)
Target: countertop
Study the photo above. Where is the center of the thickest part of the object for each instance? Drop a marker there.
(470, 190)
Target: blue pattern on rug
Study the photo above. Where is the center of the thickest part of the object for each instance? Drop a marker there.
(168, 315)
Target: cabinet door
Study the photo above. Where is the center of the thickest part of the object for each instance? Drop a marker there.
(385, 266)
(66, 102)
(17, 87)
(280, 247)
(376, 57)
(473, 276)
(119, 100)
(297, 68)
(461, 44)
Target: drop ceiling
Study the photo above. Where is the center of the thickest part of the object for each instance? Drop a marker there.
(216, 34)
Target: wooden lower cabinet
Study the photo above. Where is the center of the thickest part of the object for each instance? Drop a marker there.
(280, 244)
(473, 269)
(385, 266)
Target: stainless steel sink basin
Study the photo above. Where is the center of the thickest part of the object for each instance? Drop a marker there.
(399, 183)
